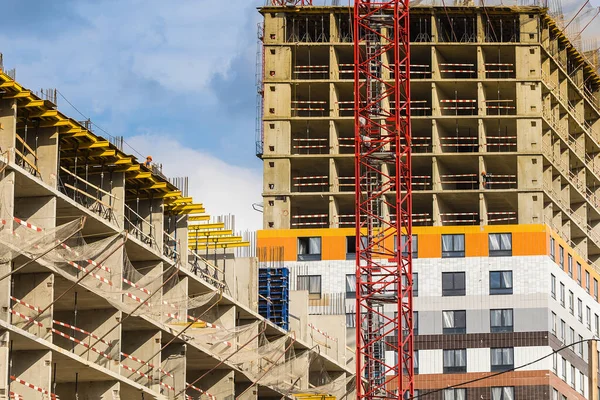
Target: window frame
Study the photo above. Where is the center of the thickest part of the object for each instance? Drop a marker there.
(502, 327)
(453, 253)
(553, 249)
(455, 329)
(562, 294)
(503, 366)
(311, 294)
(580, 310)
(500, 252)
(352, 255)
(453, 369)
(596, 289)
(446, 393)
(501, 290)
(571, 303)
(553, 286)
(587, 281)
(453, 291)
(502, 397)
(309, 255)
(579, 280)
(414, 245)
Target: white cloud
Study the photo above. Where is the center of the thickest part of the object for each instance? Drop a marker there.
(222, 188)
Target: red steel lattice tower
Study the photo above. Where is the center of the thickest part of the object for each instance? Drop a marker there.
(384, 336)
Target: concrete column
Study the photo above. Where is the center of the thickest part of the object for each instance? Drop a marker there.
(47, 153)
(175, 293)
(219, 383)
(32, 366)
(6, 212)
(143, 345)
(37, 290)
(173, 359)
(4, 361)
(101, 390)
(8, 124)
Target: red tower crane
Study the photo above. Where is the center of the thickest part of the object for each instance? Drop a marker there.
(384, 335)
(291, 3)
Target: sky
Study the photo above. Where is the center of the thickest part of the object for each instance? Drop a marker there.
(175, 78)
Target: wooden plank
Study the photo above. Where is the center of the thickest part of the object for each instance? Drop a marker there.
(20, 139)
(27, 161)
(88, 195)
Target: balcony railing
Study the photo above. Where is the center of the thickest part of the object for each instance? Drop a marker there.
(139, 228)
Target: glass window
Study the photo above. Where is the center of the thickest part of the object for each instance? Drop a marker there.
(588, 317)
(454, 322)
(350, 320)
(502, 359)
(503, 393)
(580, 310)
(580, 345)
(552, 249)
(554, 394)
(500, 244)
(555, 363)
(414, 245)
(312, 283)
(553, 323)
(501, 320)
(571, 337)
(453, 283)
(562, 294)
(415, 322)
(587, 281)
(596, 325)
(501, 282)
(581, 382)
(351, 285)
(455, 394)
(415, 283)
(573, 376)
(561, 258)
(453, 246)
(562, 330)
(596, 289)
(553, 286)
(578, 269)
(455, 361)
(571, 303)
(309, 248)
(351, 246)
(563, 369)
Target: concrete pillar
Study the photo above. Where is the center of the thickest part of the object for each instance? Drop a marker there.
(277, 138)
(175, 293)
(144, 345)
(32, 366)
(37, 290)
(8, 124)
(101, 390)
(173, 359)
(219, 383)
(4, 362)
(47, 153)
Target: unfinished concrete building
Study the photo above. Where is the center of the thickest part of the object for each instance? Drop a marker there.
(110, 287)
(506, 143)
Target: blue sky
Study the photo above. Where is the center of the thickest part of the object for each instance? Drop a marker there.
(165, 74)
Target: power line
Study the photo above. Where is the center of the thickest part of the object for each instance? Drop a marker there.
(420, 396)
(96, 125)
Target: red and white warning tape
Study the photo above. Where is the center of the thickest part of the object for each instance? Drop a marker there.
(135, 285)
(135, 371)
(322, 333)
(309, 216)
(34, 308)
(64, 324)
(210, 396)
(84, 344)
(167, 386)
(16, 396)
(25, 317)
(27, 225)
(34, 387)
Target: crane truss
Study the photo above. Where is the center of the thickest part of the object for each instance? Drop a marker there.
(384, 335)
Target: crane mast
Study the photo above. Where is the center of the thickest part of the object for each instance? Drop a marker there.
(384, 304)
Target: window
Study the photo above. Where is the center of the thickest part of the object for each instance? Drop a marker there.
(555, 363)
(562, 330)
(562, 294)
(453, 283)
(309, 248)
(502, 359)
(503, 393)
(554, 394)
(553, 324)
(501, 320)
(578, 269)
(453, 246)
(580, 345)
(587, 281)
(581, 382)
(415, 323)
(407, 395)
(414, 245)
(552, 249)
(588, 317)
(580, 310)
(312, 283)
(501, 282)
(571, 337)
(563, 370)
(351, 246)
(455, 361)
(415, 283)
(350, 285)
(596, 289)
(500, 244)
(553, 286)
(573, 376)
(350, 320)
(596, 325)
(455, 394)
(571, 303)
(454, 322)
(561, 257)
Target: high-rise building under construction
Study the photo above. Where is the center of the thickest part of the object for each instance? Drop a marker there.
(505, 113)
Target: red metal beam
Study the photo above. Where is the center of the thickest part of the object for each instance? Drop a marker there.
(383, 170)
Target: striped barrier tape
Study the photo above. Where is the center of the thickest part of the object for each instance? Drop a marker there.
(65, 325)
(16, 396)
(34, 387)
(25, 317)
(84, 344)
(34, 308)
(135, 285)
(322, 333)
(167, 386)
(135, 371)
(210, 396)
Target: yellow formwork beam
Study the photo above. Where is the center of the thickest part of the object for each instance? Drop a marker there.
(198, 218)
(219, 246)
(206, 234)
(199, 227)
(217, 239)
(33, 103)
